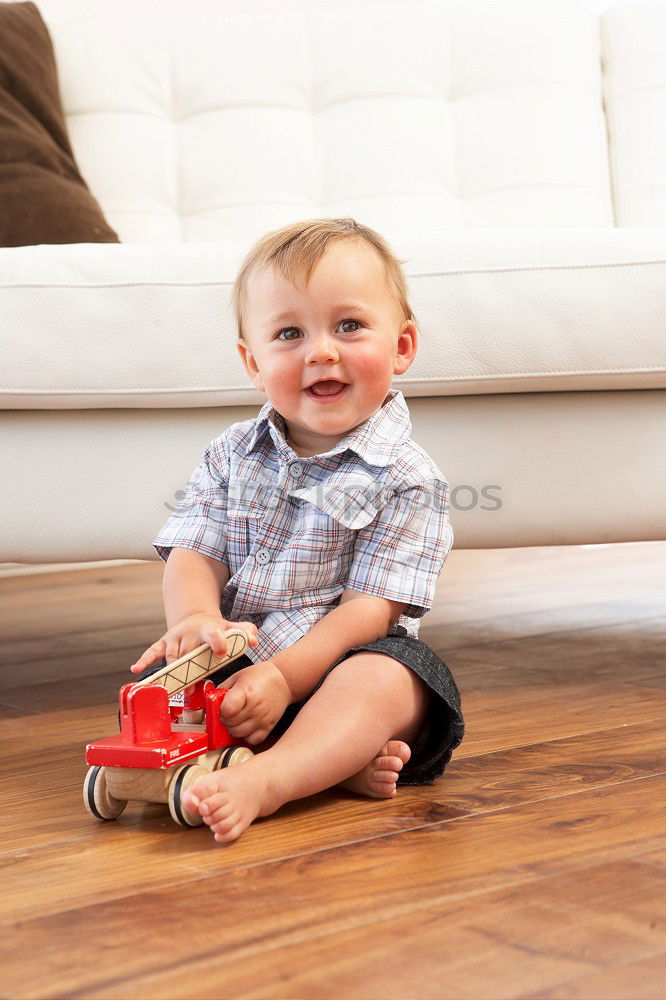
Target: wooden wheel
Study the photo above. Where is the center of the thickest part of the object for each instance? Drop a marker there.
(233, 755)
(96, 796)
(184, 777)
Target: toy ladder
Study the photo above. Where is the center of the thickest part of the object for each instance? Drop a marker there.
(198, 664)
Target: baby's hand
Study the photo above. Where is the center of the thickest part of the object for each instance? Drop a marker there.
(256, 700)
(190, 633)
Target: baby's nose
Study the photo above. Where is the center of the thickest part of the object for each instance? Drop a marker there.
(322, 347)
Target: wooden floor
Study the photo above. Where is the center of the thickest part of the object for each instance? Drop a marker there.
(535, 867)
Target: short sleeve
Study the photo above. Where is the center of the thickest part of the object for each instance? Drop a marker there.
(400, 554)
(199, 521)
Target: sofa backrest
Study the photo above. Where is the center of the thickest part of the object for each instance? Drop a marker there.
(194, 123)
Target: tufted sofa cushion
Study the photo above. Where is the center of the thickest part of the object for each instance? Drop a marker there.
(633, 42)
(191, 123)
(194, 123)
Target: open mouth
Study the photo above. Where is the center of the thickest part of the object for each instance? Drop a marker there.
(326, 389)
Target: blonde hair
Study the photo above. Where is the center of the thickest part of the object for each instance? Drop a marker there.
(298, 248)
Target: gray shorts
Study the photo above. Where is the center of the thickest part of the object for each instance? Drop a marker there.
(443, 727)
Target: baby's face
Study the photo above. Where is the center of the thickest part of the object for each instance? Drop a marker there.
(345, 326)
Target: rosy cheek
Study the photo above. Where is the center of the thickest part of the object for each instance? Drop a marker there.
(368, 364)
(281, 367)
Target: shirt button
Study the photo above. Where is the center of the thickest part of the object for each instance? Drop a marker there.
(262, 556)
(296, 469)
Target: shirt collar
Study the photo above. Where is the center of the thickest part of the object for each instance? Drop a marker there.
(378, 441)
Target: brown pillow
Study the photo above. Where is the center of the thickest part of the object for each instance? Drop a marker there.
(43, 198)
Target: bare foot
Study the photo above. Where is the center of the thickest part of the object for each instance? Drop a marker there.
(377, 779)
(230, 799)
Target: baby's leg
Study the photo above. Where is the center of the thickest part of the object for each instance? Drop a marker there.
(368, 699)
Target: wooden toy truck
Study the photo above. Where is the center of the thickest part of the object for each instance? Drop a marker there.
(160, 751)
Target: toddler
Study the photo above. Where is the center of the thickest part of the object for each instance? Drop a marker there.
(320, 528)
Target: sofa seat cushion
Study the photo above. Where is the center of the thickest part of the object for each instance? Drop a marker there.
(147, 325)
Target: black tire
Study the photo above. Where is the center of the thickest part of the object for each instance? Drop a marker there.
(96, 797)
(176, 789)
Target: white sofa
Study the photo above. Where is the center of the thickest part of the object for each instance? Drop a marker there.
(513, 154)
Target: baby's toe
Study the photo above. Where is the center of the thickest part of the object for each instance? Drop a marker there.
(398, 748)
(232, 833)
(212, 813)
(215, 801)
(383, 788)
(226, 823)
(198, 794)
(221, 814)
(204, 787)
(389, 764)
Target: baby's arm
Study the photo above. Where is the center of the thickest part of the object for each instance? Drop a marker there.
(358, 619)
(260, 693)
(192, 584)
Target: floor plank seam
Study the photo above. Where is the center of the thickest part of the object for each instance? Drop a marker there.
(560, 739)
(85, 834)
(152, 624)
(556, 633)
(294, 937)
(552, 798)
(202, 876)
(469, 813)
(640, 860)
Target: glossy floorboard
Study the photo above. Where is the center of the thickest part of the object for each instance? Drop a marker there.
(535, 867)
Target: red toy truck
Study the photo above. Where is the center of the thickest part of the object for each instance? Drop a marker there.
(171, 734)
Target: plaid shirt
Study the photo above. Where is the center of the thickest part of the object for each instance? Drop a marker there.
(371, 514)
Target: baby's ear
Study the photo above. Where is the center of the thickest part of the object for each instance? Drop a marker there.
(243, 350)
(247, 357)
(406, 350)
